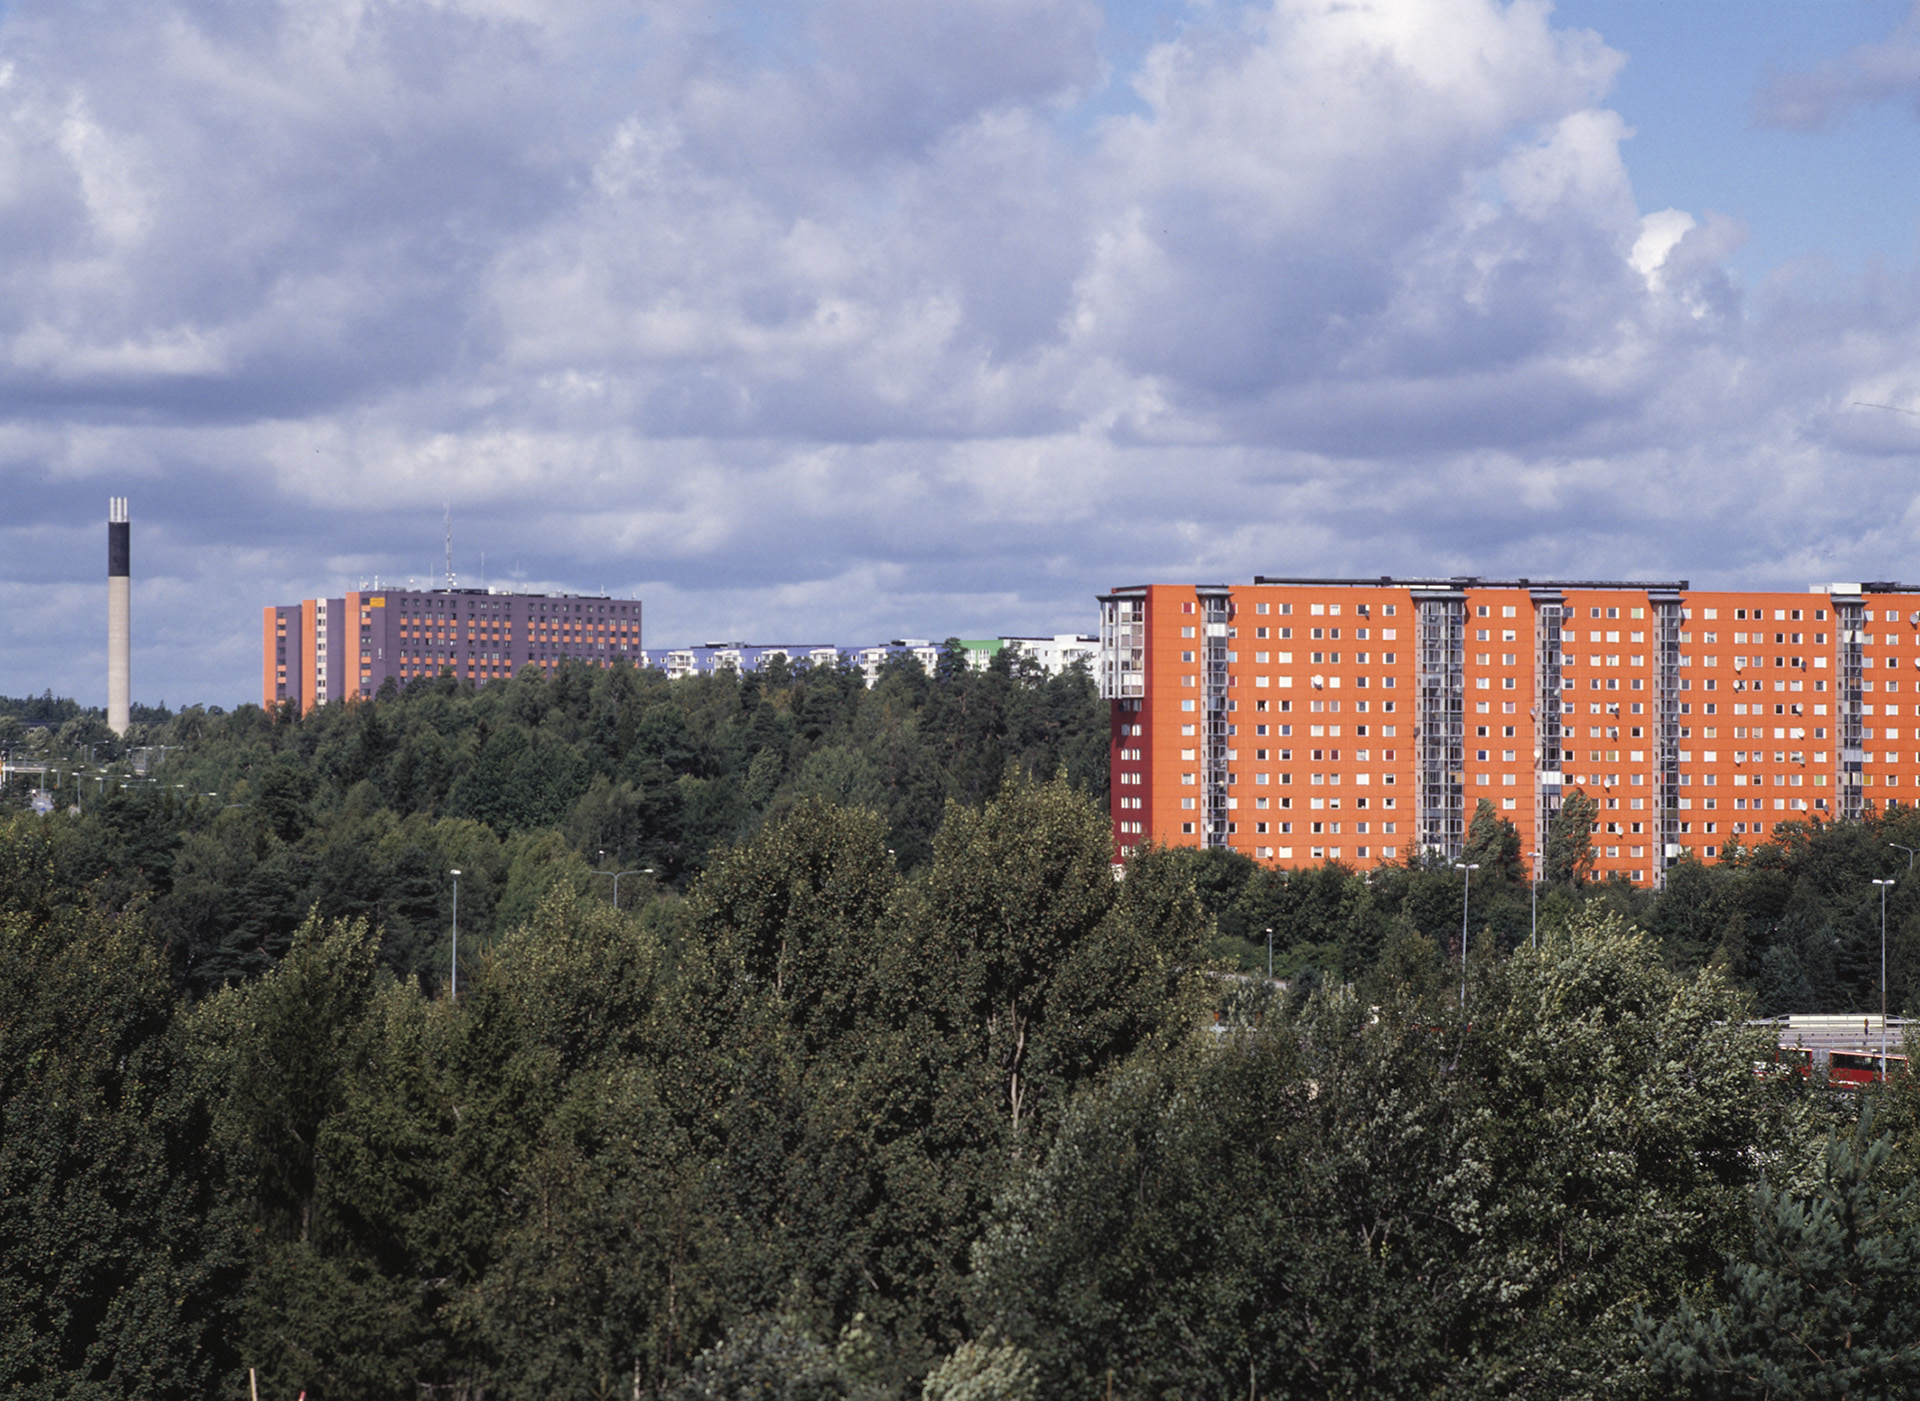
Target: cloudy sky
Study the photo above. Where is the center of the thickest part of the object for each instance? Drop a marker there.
(844, 319)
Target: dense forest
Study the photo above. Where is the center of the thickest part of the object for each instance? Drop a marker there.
(876, 1081)
(244, 822)
(238, 825)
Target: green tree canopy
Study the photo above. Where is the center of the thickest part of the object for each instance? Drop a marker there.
(1826, 1303)
(118, 1258)
(1493, 843)
(1387, 1202)
(1569, 854)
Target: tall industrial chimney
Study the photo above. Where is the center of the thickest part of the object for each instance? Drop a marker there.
(119, 630)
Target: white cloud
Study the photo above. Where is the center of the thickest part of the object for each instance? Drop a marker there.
(116, 205)
(879, 316)
(1660, 232)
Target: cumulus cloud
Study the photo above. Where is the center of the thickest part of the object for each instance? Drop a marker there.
(863, 317)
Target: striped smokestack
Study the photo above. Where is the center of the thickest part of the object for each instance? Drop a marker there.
(119, 627)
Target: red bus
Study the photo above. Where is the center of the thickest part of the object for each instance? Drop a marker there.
(1844, 1070)
(1849, 1070)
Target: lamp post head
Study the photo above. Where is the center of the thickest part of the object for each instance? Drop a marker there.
(1886, 882)
(455, 874)
(1466, 865)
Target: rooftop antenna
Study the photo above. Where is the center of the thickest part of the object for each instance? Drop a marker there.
(449, 545)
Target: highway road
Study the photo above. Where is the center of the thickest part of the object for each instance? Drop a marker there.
(1841, 1033)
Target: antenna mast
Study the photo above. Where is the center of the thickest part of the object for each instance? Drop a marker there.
(449, 544)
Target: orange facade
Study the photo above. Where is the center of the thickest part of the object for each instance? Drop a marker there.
(273, 656)
(1301, 721)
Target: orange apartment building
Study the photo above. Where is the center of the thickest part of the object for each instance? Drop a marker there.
(1362, 720)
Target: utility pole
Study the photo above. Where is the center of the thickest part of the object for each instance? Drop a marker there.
(456, 936)
(1466, 890)
(1535, 884)
(1883, 884)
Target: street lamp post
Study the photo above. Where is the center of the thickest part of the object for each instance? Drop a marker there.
(1534, 884)
(1466, 888)
(1909, 851)
(1883, 884)
(456, 935)
(616, 882)
(1269, 954)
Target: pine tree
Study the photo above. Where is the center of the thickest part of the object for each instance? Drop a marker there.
(1829, 1303)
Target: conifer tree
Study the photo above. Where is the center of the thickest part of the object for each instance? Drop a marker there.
(1829, 1303)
